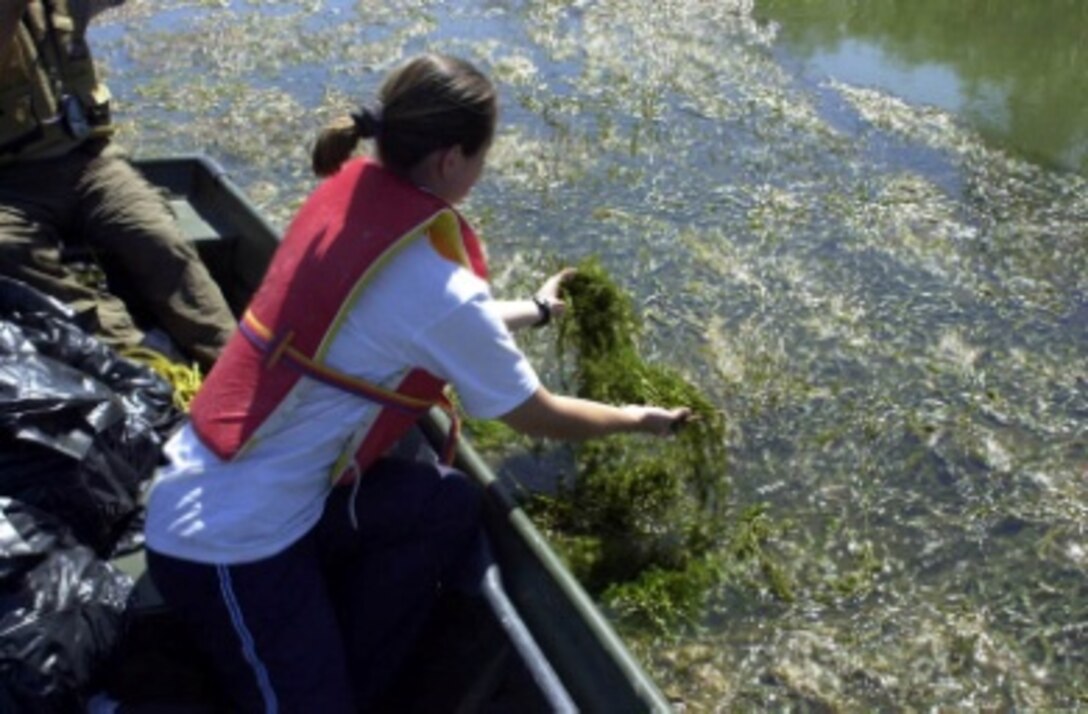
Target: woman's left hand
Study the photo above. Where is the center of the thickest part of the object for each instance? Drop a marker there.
(549, 291)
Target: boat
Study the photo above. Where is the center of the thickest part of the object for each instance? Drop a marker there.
(527, 637)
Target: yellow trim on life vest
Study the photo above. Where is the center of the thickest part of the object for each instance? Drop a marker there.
(445, 235)
(444, 224)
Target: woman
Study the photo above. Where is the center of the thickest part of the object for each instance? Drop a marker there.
(301, 555)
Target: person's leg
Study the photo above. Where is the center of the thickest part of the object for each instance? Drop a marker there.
(131, 225)
(37, 216)
(405, 529)
(267, 627)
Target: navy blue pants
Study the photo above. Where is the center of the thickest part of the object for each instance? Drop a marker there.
(323, 625)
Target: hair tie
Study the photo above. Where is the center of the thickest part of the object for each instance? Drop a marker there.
(368, 121)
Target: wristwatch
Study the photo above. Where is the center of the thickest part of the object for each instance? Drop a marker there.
(544, 307)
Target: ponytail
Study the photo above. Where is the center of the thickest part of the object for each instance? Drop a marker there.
(337, 141)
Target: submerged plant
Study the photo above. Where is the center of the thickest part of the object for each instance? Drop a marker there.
(641, 517)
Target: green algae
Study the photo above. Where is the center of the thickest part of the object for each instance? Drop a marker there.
(641, 518)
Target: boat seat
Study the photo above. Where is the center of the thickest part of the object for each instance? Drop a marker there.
(192, 223)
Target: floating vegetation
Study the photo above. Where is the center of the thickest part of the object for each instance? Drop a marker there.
(641, 518)
(185, 379)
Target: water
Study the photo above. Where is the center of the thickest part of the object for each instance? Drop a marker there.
(1014, 71)
(837, 222)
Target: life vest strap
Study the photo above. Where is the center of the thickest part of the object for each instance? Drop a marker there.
(277, 347)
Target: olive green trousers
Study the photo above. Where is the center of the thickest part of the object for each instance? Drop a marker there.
(93, 201)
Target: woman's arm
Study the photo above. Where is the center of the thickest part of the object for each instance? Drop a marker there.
(541, 309)
(519, 314)
(554, 416)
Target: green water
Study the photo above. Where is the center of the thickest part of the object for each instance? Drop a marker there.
(880, 278)
(1013, 70)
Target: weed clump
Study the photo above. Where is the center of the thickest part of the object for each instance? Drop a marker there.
(641, 519)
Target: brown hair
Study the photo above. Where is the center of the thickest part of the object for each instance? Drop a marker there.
(431, 102)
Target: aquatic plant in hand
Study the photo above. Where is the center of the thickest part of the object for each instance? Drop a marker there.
(640, 519)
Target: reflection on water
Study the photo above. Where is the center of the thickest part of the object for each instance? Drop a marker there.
(890, 310)
(1016, 70)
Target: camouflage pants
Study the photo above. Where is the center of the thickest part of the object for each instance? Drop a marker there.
(93, 199)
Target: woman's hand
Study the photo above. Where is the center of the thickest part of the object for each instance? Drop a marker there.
(549, 291)
(658, 420)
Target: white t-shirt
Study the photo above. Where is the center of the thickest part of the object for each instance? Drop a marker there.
(422, 310)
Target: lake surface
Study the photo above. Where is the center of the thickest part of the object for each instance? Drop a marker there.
(862, 227)
(1014, 71)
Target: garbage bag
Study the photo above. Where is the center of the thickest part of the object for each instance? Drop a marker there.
(54, 330)
(61, 611)
(27, 537)
(81, 429)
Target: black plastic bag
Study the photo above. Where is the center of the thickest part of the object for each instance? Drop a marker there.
(81, 429)
(27, 537)
(61, 611)
(53, 330)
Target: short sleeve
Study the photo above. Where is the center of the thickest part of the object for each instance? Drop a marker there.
(471, 348)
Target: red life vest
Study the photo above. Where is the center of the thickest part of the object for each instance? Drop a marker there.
(350, 227)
